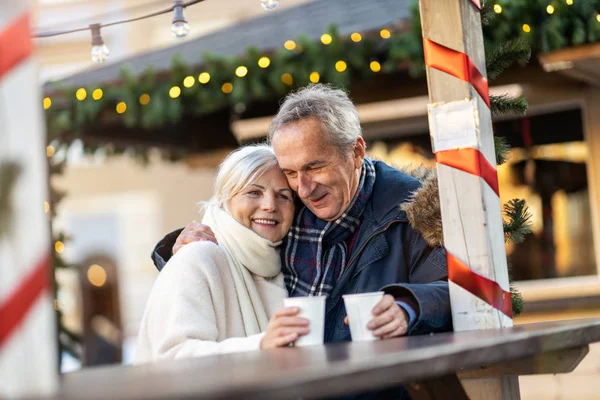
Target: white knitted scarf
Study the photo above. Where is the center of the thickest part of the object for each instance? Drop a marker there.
(247, 253)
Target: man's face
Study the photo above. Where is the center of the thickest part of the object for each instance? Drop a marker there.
(324, 178)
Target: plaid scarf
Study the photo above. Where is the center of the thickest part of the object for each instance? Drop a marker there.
(315, 250)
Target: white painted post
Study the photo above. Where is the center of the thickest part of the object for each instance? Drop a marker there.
(28, 338)
(462, 138)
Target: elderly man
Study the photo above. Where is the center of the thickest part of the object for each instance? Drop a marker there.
(351, 236)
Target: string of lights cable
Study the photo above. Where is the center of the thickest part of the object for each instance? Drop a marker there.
(180, 27)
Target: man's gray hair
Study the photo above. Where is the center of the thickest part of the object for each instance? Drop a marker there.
(332, 107)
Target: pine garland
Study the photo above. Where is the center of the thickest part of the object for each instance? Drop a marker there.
(288, 69)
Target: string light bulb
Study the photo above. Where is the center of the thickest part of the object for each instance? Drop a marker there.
(569, 2)
(326, 39)
(180, 27)
(264, 62)
(550, 9)
(341, 66)
(375, 66)
(269, 5)
(99, 51)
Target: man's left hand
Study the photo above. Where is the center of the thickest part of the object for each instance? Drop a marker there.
(390, 320)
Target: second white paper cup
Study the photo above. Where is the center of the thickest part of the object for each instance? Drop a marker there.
(359, 309)
(313, 309)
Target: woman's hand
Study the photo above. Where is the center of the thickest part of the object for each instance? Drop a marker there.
(284, 328)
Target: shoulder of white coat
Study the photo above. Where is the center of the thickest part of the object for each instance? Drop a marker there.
(198, 258)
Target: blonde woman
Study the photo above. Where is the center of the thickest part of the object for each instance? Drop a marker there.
(219, 298)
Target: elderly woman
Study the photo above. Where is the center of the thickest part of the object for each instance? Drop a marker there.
(219, 298)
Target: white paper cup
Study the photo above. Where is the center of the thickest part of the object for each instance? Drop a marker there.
(313, 309)
(359, 309)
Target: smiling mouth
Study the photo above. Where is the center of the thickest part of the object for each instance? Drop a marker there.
(318, 200)
(262, 221)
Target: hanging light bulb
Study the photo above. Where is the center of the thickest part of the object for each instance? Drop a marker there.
(180, 27)
(99, 50)
(269, 5)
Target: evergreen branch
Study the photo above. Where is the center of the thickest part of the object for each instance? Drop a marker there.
(502, 149)
(506, 104)
(517, 301)
(515, 295)
(504, 55)
(487, 12)
(518, 221)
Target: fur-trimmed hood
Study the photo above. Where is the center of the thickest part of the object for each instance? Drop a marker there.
(423, 206)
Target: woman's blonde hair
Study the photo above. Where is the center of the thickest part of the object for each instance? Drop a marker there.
(241, 168)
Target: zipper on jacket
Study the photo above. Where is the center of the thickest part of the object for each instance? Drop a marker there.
(369, 239)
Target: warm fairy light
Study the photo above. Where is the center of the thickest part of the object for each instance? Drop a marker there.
(81, 94)
(598, 17)
(189, 81)
(375, 66)
(96, 275)
(174, 92)
(497, 8)
(526, 28)
(97, 94)
(264, 62)
(290, 45)
(326, 39)
(121, 107)
(144, 99)
(59, 247)
(341, 66)
(204, 78)
(47, 103)
(356, 37)
(227, 87)
(287, 78)
(46, 207)
(569, 2)
(550, 9)
(241, 71)
(49, 151)
(315, 77)
(386, 34)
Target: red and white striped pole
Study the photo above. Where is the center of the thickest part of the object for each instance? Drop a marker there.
(460, 124)
(462, 139)
(28, 341)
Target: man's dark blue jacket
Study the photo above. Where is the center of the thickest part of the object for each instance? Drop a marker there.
(389, 255)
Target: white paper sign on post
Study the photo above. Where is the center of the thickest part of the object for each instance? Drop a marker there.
(452, 125)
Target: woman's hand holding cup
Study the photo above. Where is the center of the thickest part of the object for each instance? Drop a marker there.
(284, 328)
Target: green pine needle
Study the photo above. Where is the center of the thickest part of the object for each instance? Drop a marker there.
(517, 301)
(518, 221)
(504, 104)
(502, 149)
(516, 297)
(504, 55)
(487, 12)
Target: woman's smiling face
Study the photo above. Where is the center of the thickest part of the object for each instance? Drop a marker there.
(266, 206)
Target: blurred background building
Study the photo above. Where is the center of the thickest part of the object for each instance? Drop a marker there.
(122, 193)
